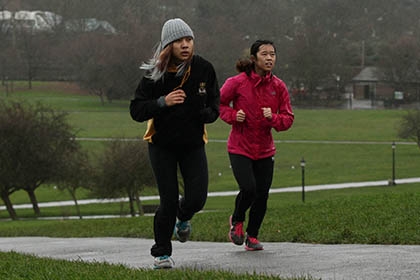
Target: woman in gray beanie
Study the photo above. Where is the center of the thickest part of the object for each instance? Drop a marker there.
(178, 95)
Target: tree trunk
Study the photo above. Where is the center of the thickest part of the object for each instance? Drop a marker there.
(121, 208)
(132, 211)
(100, 94)
(9, 206)
(73, 196)
(34, 201)
(139, 206)
(29, 77)
(101, 97)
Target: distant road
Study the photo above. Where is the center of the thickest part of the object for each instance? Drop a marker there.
(229, 193)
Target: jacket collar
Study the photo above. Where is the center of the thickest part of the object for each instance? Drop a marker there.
(257, 79)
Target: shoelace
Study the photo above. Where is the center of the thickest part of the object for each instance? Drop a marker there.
(166, 258)
(183, 225)
(253, 240)
(238, 229)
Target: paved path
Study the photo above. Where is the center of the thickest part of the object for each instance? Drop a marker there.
(228, 193)
(335, 262)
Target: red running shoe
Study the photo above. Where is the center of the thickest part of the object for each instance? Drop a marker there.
(252, 244)
(236, 232)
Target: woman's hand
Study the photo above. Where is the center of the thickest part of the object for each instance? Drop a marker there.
(267, 113)
(175, 97)
(240, 116)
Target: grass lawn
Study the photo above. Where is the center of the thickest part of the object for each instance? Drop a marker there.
(325, 162)
(15, 266)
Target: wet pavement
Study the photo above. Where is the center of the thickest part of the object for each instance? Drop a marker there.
(282, 259)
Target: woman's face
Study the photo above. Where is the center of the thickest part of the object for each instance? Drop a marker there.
(182, 49)
(265, 59)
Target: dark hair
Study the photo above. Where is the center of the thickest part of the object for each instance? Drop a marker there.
(245, 64)
(257, 44)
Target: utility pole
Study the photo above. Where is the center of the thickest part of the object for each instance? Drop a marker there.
(362, 63)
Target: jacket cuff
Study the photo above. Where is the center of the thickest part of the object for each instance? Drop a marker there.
(161, 101)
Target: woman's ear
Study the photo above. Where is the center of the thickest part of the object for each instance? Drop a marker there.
(253, 58)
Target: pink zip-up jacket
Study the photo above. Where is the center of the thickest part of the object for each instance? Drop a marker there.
(252, 138)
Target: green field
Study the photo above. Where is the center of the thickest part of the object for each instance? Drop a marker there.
(337, 145)
(358, 147)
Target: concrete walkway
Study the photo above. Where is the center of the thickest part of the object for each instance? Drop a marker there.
(335, 262)
(228, 193)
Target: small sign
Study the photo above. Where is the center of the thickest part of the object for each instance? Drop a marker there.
(398, 95)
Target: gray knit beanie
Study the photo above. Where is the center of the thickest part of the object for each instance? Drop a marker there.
(173, 30)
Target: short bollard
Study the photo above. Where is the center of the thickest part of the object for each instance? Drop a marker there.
(302, 165)
(392, 183)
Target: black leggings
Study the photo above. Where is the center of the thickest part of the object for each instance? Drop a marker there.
(193, 166)
(254, 178)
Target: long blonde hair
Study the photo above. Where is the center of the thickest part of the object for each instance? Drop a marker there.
(159, 63)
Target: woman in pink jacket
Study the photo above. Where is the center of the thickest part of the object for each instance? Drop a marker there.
(253, 102)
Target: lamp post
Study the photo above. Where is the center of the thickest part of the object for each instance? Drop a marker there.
(302, 165)
(393, 164)
(337, 78)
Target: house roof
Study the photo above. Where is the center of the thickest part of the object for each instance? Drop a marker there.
(369, 74)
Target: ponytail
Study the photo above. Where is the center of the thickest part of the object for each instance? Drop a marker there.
(244, 65)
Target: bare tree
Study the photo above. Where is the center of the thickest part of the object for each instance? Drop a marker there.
(29, 47)
(317, 41)
(7, 50)
(314, 59)
(401, 64)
